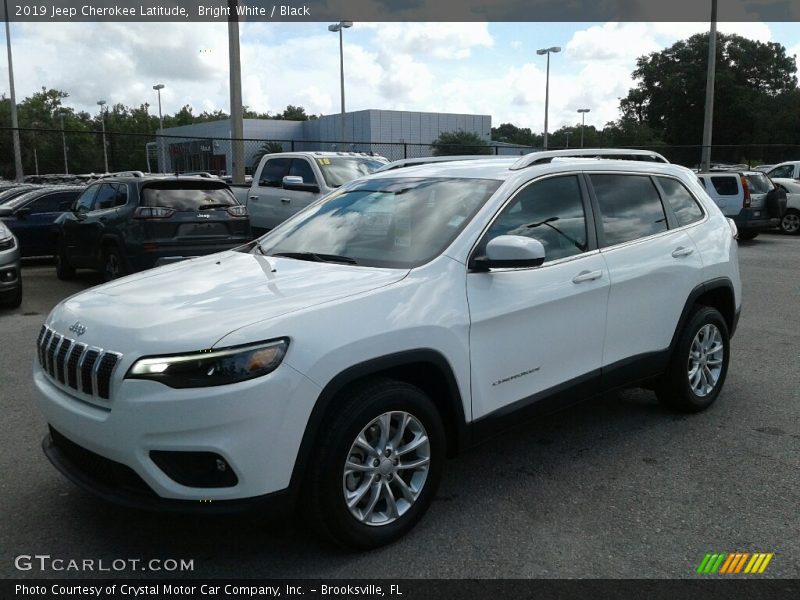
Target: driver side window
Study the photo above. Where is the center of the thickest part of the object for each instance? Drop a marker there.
(86, 199)
(551, 211)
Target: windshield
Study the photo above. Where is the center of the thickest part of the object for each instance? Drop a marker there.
(396, 223)
(338, 170)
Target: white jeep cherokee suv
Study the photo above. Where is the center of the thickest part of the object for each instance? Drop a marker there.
(336, 362)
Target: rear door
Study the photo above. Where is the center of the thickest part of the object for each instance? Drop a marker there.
(726, 190)
(201, 215)
(653, 265)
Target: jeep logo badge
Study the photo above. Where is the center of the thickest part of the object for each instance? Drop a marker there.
(78, 328)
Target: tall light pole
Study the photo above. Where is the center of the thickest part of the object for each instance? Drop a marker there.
(35, 152)
(340, 27)
(158, 87)
(235, 78)
(64, 143)
(567, 133)
(101, 104)
(14, 122)
(583, 112)
(547, 51)
(708, 120)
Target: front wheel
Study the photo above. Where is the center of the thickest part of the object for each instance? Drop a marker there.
(790, 223)
(378, 465)
(699, 363)
(113, 264)
(64, 270)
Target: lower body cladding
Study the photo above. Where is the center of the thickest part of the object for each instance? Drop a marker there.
(190, 449)
(755, 219)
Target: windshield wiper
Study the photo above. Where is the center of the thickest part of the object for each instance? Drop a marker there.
(548, 223)
(316, 257)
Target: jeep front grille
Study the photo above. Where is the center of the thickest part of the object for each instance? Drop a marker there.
(85, 369)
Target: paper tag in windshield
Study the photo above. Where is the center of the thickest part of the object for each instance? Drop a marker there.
(324, 161)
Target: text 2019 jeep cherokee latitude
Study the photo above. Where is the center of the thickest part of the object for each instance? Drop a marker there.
(337, 361)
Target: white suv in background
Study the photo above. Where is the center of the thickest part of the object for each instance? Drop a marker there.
(336, 362)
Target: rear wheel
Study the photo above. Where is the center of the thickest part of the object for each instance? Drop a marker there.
(378, 465)
(790, 223)
(113, 264)
(747, 234)
(699, 363)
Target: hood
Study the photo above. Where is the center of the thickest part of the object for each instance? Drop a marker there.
(192, 304)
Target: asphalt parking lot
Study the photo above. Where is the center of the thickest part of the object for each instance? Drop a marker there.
(618, 487)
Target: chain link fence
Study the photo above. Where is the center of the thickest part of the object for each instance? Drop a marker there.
(53, 151)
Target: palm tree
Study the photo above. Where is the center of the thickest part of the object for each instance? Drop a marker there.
(266, 148)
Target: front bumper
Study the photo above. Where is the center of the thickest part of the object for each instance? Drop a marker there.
(256, 426)
(10, 271)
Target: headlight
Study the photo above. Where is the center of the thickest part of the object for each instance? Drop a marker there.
(5, 233)
(212, 367)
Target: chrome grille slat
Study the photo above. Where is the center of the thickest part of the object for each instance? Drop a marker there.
(64, 349)
(86, 369)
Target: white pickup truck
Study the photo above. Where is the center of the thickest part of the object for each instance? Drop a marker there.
(287, 182)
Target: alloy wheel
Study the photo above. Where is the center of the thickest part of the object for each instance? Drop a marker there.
(790, 222)
(386, 468)
(706, 356)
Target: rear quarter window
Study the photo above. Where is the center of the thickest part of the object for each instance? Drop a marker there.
(187, 197)
(682, 203)
(726, 186)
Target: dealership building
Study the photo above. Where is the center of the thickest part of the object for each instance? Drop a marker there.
(391, 133)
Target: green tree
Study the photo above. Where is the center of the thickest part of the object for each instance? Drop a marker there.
(511, 134)
(454, 143)
(266, 148)
(753, 81)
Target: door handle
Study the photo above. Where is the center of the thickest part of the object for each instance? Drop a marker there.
(286, 200)
(681, 251)
(587, 276)
(252, 197)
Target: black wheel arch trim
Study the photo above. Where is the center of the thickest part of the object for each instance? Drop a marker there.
(694, 295)
(368, 368)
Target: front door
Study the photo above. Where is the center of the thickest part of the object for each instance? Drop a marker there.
(537, 331)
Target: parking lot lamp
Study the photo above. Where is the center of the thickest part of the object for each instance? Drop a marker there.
(583, 112)
(14, 121)
(158, 87)
(340, 27)
(64, 143)
(547, 51)
(101, 104)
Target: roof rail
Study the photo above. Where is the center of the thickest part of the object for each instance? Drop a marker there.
(545, 156)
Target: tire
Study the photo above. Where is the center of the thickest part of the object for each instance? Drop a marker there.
(13, 300)
(64, 270)
(748, 234)
(695, 375)
(790, 223)
(362, 411)
(113, 264)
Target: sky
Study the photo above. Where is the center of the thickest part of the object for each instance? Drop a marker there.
(479, 68)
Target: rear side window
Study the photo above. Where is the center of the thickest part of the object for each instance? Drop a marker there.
(274, 171)
(630, 207)
(121, 196)
(680, 201)
(187, 197)
(726, 186)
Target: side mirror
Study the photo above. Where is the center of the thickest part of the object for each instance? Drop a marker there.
(295, 182)
(23, 213)
(510, 252)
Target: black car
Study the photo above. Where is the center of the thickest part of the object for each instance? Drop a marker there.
(30, 216)
(7, 192)
(128, 224)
